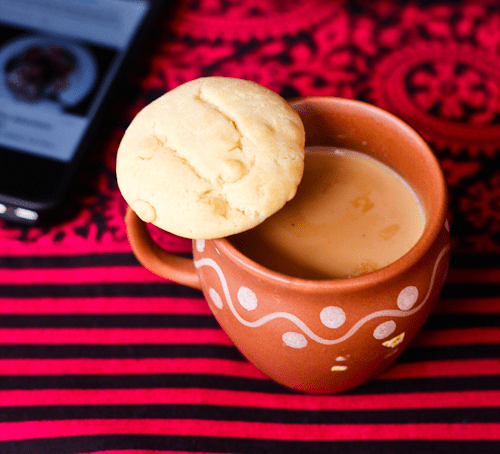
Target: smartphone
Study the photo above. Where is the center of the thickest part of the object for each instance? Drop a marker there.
(60, 61)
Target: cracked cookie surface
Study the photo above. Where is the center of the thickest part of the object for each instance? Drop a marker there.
(211, 158)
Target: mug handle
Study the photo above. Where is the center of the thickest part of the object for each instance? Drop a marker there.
(154, 258)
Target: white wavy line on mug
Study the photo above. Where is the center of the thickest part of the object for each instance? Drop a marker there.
(299, 323)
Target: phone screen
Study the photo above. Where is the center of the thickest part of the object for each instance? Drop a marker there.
(56, 59)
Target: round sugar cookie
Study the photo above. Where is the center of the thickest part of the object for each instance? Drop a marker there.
(211, 158)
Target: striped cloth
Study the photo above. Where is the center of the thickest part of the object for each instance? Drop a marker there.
(98, 355)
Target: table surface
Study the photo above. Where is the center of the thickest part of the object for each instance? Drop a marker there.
(99, 355)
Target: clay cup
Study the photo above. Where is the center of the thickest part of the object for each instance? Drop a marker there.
(325, 336)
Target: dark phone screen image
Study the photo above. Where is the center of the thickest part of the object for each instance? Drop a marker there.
(55, 60)
(40, 70)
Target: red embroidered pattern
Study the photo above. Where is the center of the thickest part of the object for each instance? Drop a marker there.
(437, 66)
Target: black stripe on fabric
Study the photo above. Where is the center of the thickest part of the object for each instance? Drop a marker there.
(460, 261)
(464, 320)
(232, 383)
(151, 320)
(449, 352)
(120, 351)
(206, 350)
(435, 322)
(147, 289)
(483, 290)
(68, 261)
(469, 290)
(93, 443)
(74, 261)
(251, 414)
(429, 384)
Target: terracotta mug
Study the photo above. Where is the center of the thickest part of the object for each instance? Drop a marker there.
(324, 336)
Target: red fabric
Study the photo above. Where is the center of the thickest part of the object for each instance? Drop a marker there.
(99, 355)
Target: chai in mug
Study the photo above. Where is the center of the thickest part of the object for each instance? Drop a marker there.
(351, 215)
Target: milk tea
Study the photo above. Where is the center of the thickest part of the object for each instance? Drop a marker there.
(351, 215)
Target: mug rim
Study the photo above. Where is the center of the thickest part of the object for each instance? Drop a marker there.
(433, 225)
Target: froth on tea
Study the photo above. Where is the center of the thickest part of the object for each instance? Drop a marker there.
(351, 215)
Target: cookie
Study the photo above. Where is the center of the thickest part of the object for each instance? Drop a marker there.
(211, 158)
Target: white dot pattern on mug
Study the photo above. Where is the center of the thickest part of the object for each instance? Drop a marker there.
(294, 340)
(247, 298)
(216, 299)
(332, 317)
(384, 329)
(200, 245)
(407, 297)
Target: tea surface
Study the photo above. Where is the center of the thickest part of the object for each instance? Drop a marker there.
(351, 215)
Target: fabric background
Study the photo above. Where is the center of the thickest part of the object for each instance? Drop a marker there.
(99, 355)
